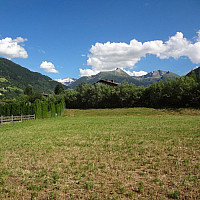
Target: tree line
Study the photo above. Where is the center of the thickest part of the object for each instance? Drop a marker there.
(181, 92)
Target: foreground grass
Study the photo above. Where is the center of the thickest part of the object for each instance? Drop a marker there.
(103, 154)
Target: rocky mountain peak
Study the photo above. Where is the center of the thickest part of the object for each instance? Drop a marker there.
(156, 74)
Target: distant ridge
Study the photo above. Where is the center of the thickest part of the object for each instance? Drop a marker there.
(156, 76)
(119, 76)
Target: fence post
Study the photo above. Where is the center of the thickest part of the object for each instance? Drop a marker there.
(12, 118)
(1, 119)
(21, 118)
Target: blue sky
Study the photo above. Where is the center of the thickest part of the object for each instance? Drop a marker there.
(55, 38)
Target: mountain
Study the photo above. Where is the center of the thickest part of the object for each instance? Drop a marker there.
(119, 76)
(156, 76)
(66, 81)
(15, 78)
(196, 72)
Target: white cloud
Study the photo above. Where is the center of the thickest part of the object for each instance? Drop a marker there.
(108, 56)
(48, 67)
(198, 37)
(87, 72)
(10, 48)
(134, 73)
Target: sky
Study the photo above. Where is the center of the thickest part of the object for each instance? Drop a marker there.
(74, 38)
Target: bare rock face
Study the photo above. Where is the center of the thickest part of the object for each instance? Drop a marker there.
(156, 74)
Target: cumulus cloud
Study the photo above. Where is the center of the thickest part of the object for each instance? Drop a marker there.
(87, 72)
(10, 48)
(108, 56)
(134, 73)
(48, 67)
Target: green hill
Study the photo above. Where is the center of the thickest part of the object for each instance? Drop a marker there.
(14, 79)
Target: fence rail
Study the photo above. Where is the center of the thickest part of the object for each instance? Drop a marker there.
(8, 119)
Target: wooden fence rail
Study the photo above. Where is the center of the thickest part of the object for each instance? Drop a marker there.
(8, 119)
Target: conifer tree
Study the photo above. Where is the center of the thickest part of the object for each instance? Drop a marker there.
(6, 109)
(52, 109)
(59, 89)
(38, 109)
(1, 109)
(44, 109)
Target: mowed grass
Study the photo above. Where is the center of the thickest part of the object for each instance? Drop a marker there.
(135, 153)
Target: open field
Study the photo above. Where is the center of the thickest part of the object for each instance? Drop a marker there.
(135, 153)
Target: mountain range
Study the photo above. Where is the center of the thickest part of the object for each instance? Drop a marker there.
(15, 78)
(119, 76)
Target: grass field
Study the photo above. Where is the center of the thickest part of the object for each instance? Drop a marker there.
(135, 153)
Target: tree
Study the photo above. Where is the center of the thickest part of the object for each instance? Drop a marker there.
(28, 90)
(52, 109)
(44, 109)
(59, 89)
(1, 109)
(15, 109)
(193, 75)
(7, 109)
(23, 108)
(71, 98)
(38, 109)
(58, 109)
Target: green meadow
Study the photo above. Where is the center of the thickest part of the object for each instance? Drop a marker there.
(135, 153)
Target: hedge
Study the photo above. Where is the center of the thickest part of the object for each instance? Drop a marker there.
(40, 109)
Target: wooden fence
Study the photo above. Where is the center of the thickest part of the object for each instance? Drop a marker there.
(8, 119)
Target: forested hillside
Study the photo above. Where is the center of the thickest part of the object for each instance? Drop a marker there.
(14, 79)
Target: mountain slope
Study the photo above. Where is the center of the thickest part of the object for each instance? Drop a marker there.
(195, 72)
(156, 76)
(14, 78)
(119, 76)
